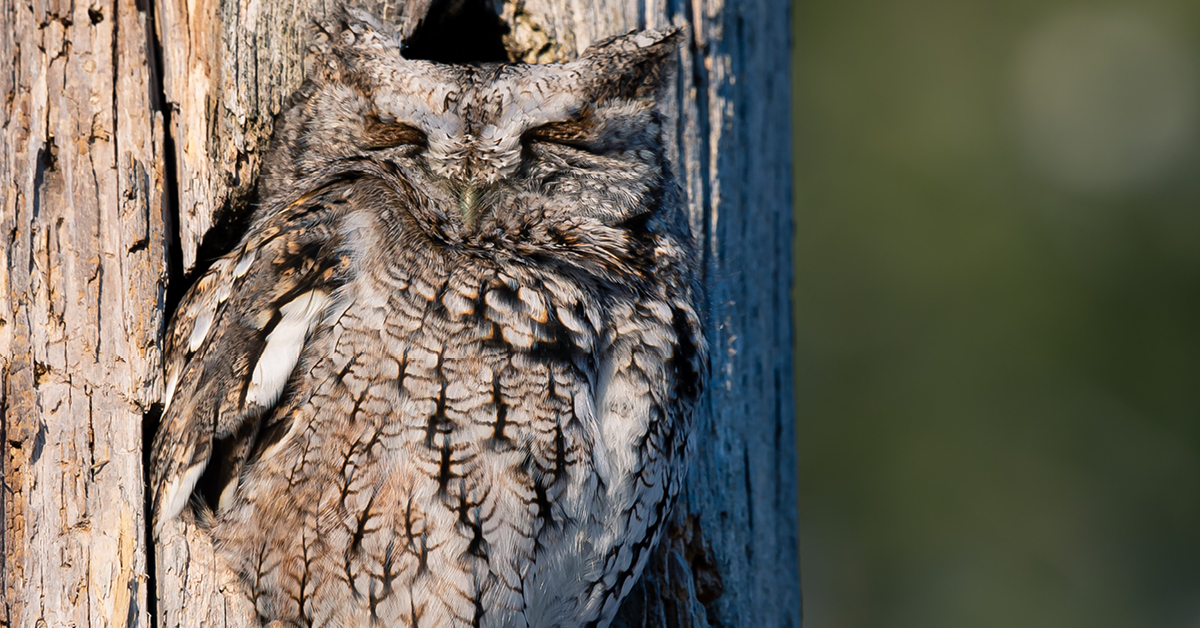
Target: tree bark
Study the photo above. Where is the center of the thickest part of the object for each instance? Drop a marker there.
(82, 227)
(97, 199)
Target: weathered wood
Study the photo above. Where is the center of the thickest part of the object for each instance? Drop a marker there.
(81, 287)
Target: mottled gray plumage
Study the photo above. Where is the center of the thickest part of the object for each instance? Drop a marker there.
(447, 378)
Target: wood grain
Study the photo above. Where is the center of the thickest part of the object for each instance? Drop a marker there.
(81, 287)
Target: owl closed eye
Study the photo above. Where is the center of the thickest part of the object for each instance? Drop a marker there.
(379, 134)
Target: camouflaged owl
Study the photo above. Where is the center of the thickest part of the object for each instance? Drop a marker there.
(447, 377)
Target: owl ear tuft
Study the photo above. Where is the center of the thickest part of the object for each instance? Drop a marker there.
(632, 66)
(341, 42)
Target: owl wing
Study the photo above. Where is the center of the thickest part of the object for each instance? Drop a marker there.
(235, 341)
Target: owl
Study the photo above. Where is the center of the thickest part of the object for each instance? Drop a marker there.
(448, 375)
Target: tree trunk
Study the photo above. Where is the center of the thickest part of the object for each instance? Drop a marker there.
(83, 279)
(97, 200)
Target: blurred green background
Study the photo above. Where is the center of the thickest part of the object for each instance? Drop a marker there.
(997, 310)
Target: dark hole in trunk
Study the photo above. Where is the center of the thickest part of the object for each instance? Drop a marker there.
(459, 31)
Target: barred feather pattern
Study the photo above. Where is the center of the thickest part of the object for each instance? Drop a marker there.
(422, 412)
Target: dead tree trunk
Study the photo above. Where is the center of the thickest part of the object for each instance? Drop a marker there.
(82, 285)
(102, 186)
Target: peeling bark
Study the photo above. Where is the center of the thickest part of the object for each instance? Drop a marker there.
(81, 286)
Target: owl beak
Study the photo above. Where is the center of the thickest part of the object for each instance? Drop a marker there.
(468, 203)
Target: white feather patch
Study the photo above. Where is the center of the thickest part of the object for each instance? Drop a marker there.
(224, 291)
(179, 491)
(243, 264)
(200, 329)
(167, 396)
(225, 502)
(283, 347)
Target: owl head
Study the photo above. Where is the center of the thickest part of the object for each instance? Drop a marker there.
(481, 150)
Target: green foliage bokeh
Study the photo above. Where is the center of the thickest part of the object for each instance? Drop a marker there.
(997, 306)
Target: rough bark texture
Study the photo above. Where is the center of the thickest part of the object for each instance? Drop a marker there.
(81, 306)
(87, 174)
